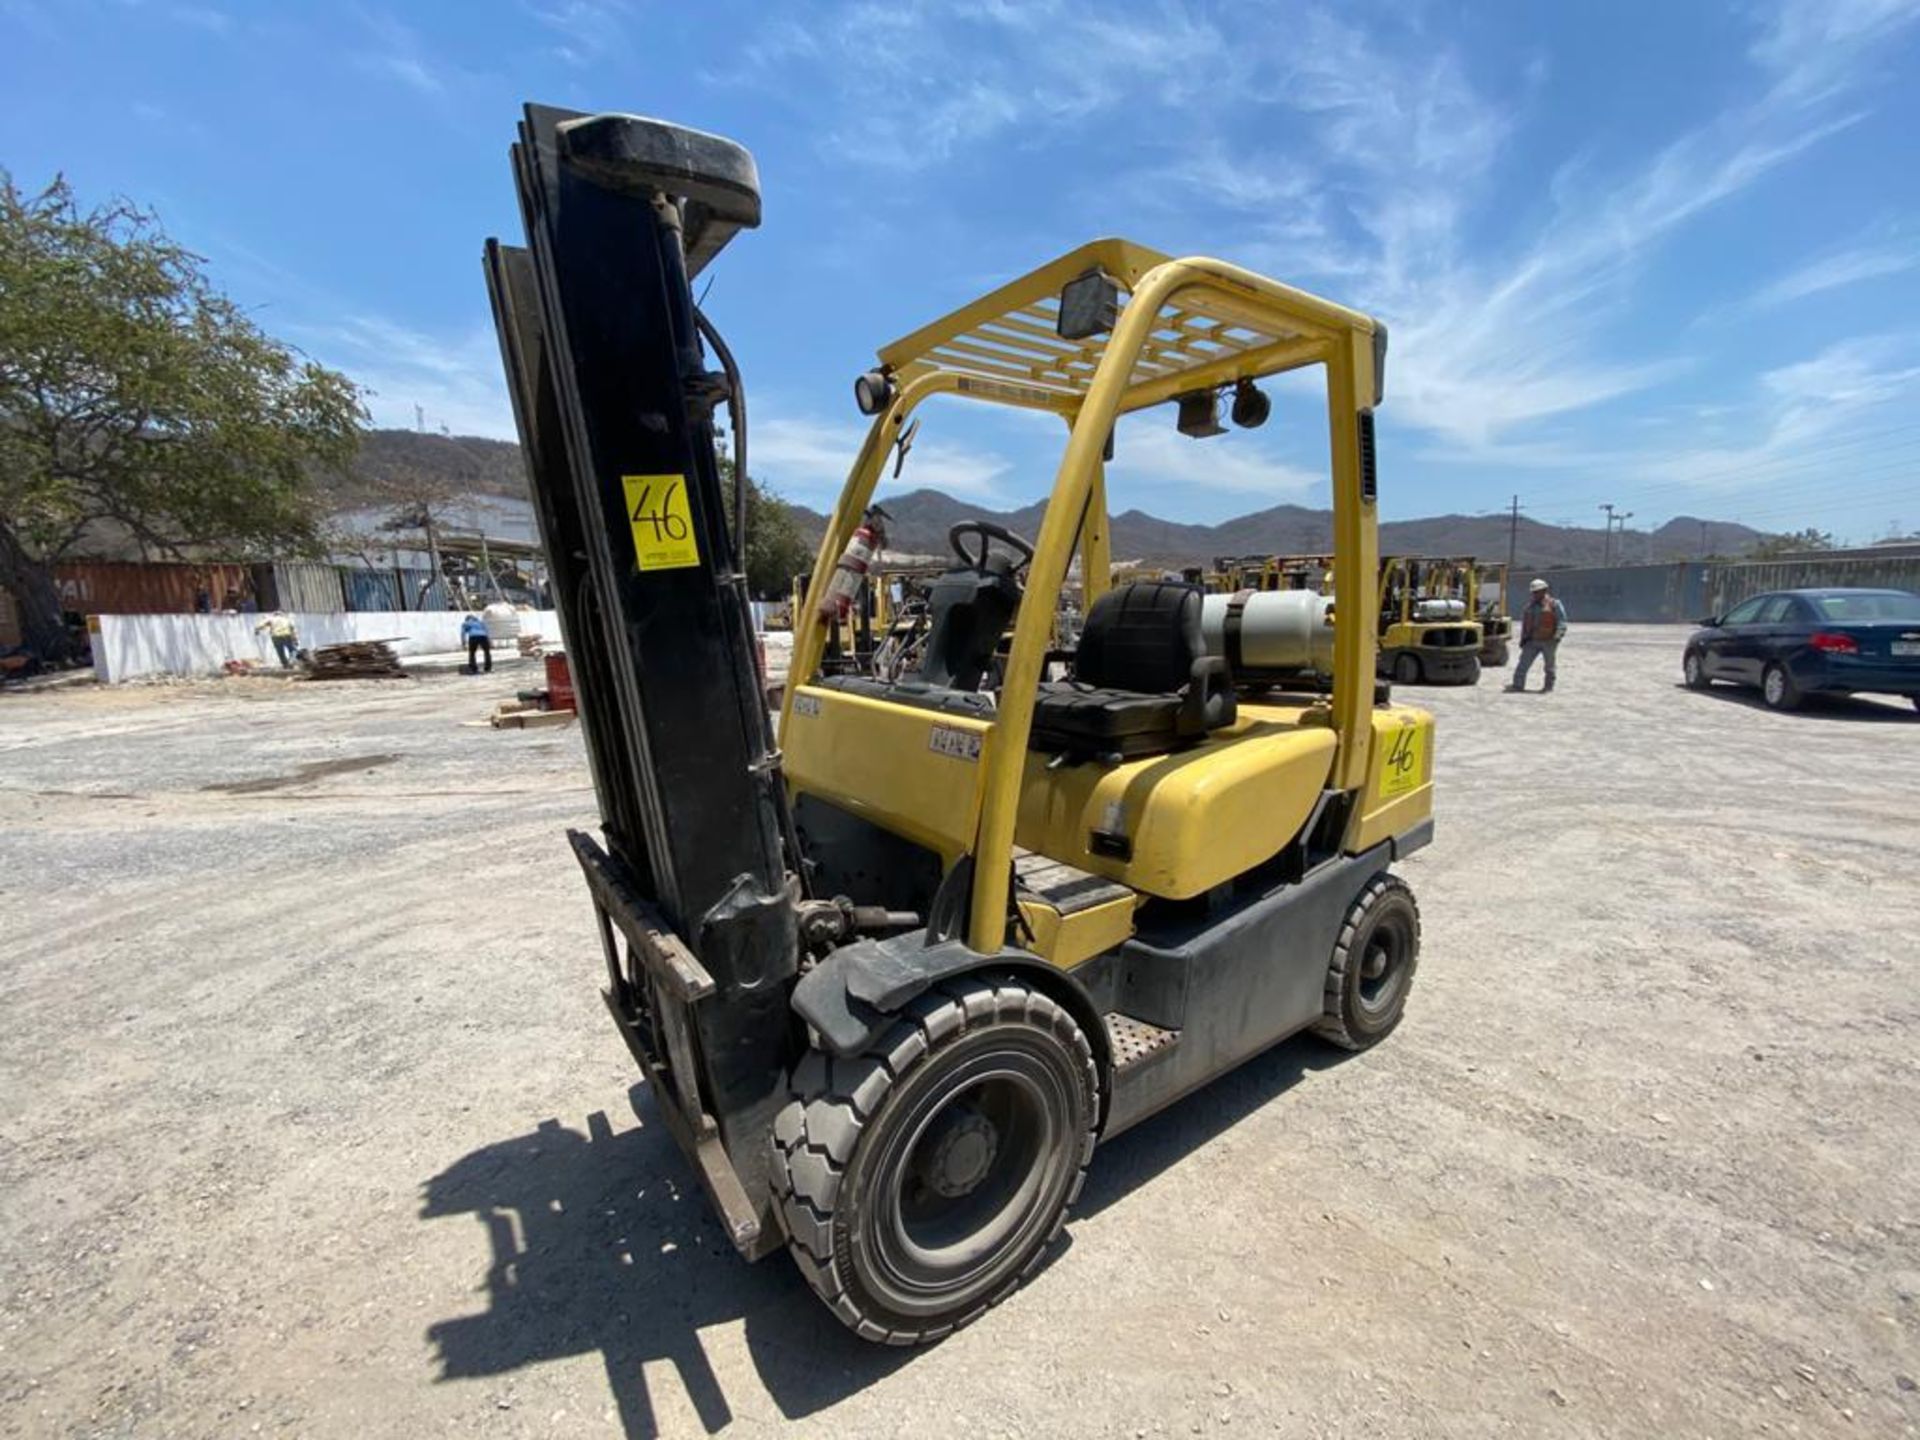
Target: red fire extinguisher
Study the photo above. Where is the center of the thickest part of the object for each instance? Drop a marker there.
(850, 572)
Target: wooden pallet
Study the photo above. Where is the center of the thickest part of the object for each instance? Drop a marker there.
(355, 660)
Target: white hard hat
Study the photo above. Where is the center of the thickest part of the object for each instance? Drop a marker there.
(1538, 585)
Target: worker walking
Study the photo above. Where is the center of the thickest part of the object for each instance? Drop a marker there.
(286, 640)
(1543, 624)
(473, 630)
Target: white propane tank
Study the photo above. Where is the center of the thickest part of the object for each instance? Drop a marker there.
(1278, 632)
(502, 622)
(1430, 610)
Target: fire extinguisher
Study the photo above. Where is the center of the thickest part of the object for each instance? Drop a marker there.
(850, 572)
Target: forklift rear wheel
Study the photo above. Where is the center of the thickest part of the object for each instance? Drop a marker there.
(1373, 964)
(920, 1182)
(1497, 655)
(1406, 669)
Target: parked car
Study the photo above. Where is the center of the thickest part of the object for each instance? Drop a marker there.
(1794, 643)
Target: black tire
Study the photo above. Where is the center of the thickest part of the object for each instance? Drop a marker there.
(1473, 672)
(1693, 670)
(983, 1085)
(1406, 668)
(1777, 688)
(1372, 966)
(1496, 654)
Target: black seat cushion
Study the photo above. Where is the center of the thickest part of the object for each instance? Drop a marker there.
(1087, 719)
(1144, 636)
(1142, 680)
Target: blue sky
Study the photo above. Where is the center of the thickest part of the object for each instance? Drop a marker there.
(1664, 255)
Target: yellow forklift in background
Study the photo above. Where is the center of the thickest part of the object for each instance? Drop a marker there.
(1489, 588)
(896, 977)
(1428, 633)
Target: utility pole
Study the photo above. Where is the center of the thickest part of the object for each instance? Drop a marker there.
(1513, 533)
(1613, 519)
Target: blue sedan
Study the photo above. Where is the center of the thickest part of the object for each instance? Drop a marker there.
(1794, 643)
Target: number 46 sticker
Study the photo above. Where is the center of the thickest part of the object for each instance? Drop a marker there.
(662, 523)
(1402, 769)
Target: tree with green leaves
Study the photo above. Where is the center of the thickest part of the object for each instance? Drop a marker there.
(1796, 543)
(776, 550)
(138, 402)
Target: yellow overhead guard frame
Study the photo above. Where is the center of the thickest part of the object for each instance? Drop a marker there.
(1182, 325)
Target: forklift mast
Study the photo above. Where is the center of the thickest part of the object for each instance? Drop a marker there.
(614, 400)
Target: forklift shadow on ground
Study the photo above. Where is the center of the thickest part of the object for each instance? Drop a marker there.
(597, 1246)
(1167, 1138)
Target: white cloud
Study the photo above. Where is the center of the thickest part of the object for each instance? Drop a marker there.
(1814, 46)
(807, 459)
(398, 55)
(1158, 455)
(913, 81)
(586, 31)
(456, 381)
(1490, 341)
(1803, 408)
(1830, 272)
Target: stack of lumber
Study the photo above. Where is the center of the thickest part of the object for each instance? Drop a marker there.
(527, 715)
(355, 660)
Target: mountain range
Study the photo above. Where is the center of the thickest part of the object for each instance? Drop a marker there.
(918, 523)
(458, 465)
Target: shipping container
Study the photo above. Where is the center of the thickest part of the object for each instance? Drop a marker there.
(115, 587)
(370, 589)
(306, 586)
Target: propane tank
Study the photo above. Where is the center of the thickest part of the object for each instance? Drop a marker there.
(1275, 633)
(850, 571)
(1427, 611)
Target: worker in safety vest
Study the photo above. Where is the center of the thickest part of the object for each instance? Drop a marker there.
(286, 641)
(1543, 624)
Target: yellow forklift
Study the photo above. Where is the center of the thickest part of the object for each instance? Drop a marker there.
(1489, 589)
(1428, 633)
(895, 978)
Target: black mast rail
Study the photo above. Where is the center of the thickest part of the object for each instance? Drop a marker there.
(614, 399)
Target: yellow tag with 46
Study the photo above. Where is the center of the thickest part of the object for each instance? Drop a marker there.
(662, 522)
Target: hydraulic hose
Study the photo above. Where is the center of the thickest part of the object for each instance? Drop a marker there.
(737, 420)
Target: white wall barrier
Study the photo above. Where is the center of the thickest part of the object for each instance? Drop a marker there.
(127, 647)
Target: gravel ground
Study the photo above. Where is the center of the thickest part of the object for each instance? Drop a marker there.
(311, 1121)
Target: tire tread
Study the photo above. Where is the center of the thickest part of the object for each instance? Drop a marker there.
(1332, 1025)
(833, 1099)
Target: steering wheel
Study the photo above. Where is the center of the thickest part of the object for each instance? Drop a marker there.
(986, 531)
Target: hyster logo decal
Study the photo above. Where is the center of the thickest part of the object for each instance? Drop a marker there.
(952, 740)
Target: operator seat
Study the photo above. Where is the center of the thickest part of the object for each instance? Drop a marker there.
(968, 610)
(1142, 681)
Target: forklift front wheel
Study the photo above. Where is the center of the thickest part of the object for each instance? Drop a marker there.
(921, 1181)
(1372, 966)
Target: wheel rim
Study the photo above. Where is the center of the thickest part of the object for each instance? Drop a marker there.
(1383, 966)
(968, 1179)
(1693, 669)
(1776, 687)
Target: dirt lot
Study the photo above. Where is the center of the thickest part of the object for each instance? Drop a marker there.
(311, 1122)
